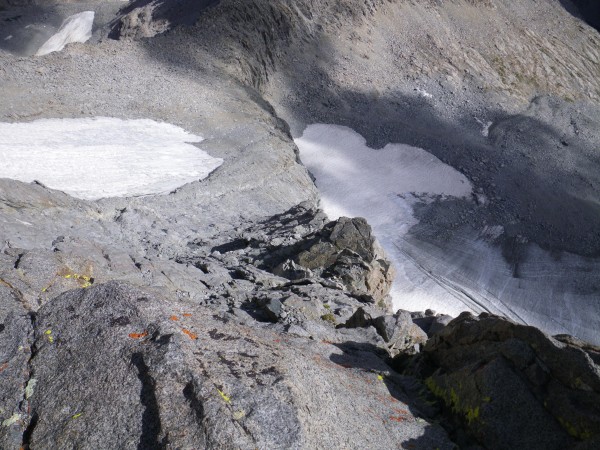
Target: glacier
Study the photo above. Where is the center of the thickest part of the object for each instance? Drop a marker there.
(466, 272)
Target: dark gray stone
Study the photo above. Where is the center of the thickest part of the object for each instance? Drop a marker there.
(273, 309)
(431, 323)
(385, 326)
(499, 380)
(360, 319)
(16, 337)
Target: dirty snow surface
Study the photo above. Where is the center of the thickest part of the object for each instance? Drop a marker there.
(466, 272)
(381, 186)
(100, 157)
(76, 28)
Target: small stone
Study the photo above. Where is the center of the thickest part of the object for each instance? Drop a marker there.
(273, 309)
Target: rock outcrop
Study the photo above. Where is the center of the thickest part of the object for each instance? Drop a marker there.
(343, 251)
(399, 331)
(510, 386)
(116, 367)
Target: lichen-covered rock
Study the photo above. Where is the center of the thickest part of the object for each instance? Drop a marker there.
(499, 381)
(117, 367)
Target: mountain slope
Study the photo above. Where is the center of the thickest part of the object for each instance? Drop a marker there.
(231, 312)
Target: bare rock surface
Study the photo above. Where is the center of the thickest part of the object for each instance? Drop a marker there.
(399, 331)
(15, 343)
(231, 312)
(515, 113)
(170, 374)
(344, 251)
(493, 376)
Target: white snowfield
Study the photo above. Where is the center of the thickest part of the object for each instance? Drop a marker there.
(381, 186)
(100, 157)
(467, 272)
(75, 28)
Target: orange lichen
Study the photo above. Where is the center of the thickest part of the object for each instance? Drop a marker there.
(174, 318)
(387, 399)
(191, 335)
(138, 335)
(187, 315)
(397, 418)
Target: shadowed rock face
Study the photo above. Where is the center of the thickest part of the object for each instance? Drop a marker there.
(493, 376)
(590, 11)
(8, 3)
(146, 18)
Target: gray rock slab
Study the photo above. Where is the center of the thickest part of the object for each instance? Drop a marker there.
(120, 368)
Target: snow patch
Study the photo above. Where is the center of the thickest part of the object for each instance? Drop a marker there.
(101, 157)
(75, 28)
(464, 271)
(558, 294)
(381, 186)
(423, 93)
(485, 127)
